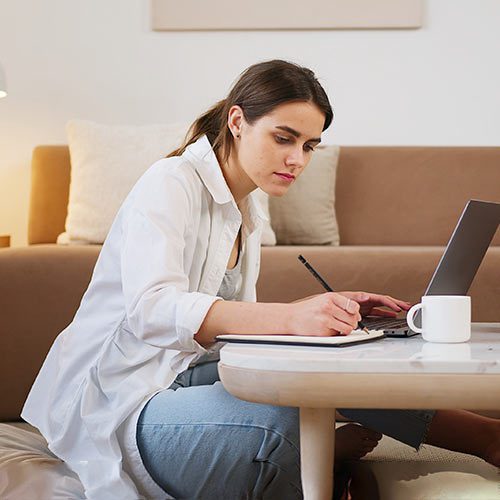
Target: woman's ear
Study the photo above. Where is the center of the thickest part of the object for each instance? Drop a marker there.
(235, 120)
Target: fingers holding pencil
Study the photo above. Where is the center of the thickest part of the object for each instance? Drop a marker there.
(348, 303)
(321, 315)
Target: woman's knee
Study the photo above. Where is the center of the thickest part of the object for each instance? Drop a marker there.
(222, 461)
(269, 467)
(279, 460)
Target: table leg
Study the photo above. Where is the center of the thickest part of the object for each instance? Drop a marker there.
(317, 442)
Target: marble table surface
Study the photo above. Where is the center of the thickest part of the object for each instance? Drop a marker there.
(388, 355)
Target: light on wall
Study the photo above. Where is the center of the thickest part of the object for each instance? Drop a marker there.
(3, 84)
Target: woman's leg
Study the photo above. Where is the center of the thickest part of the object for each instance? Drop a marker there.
(456, 430)
(199, 442)
(408, 426)
(466, 432)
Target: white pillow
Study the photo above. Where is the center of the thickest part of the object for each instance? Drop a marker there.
(106, 161)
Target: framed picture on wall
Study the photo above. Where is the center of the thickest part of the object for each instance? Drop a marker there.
(184, 15)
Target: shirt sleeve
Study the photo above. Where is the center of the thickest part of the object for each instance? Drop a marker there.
(159, 306)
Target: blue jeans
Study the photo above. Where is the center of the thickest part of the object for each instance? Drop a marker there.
(199, 442)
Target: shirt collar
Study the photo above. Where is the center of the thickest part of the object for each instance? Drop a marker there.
(202, 156)
(204, 160)
(255, 208)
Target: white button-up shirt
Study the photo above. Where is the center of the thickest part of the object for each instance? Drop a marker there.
(156, 277)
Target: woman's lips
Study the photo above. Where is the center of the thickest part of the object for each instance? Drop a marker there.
(285, 177)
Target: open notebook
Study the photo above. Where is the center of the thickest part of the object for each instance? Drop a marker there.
(355, 337)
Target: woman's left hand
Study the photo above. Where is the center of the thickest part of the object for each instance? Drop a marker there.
(370, 303)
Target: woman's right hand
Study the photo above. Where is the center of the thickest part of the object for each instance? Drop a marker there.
(323, 315)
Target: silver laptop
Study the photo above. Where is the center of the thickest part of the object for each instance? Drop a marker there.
(458, 265)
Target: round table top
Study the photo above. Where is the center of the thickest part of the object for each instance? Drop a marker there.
(388, 355)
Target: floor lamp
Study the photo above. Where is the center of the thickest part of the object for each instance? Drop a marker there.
(4, 240)
(3, 84)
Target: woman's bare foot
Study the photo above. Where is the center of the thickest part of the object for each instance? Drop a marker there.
(353, 441)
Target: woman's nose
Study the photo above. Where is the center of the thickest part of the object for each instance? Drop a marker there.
(296, 158)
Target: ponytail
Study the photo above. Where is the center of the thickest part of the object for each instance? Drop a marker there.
(212, 123)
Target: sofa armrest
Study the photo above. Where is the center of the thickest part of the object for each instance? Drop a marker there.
(40, 290)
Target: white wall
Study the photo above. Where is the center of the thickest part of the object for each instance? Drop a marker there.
(99, 60)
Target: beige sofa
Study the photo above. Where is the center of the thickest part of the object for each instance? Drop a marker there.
(396, 208)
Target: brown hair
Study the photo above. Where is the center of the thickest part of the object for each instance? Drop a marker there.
(260, 89)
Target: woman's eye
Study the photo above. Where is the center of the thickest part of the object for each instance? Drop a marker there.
(281, 140)
(309, 148)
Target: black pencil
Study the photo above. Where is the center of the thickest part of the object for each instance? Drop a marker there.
(325, 285)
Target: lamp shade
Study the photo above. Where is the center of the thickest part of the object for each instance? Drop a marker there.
(3, 83)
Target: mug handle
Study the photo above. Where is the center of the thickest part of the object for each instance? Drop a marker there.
(411, 314)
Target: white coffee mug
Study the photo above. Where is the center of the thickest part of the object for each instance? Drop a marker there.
(445, 318)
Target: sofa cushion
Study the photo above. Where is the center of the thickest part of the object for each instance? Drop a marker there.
(411, 195)
(41, 287)
(31, 469)
(305, 215)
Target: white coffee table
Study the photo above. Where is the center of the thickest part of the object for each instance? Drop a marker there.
(387, 373)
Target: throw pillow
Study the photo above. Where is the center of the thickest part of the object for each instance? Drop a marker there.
(106, 161)
(305, 215)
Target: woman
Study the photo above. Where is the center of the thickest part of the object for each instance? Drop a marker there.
(128, 395)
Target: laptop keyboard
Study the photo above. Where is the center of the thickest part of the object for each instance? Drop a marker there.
(385, 323)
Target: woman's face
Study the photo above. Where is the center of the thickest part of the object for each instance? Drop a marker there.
(275, 149)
